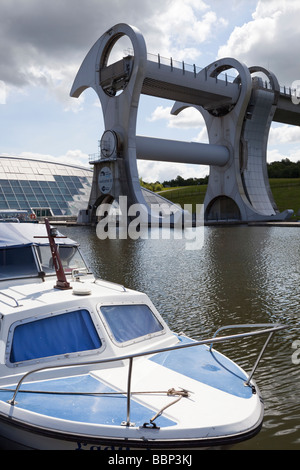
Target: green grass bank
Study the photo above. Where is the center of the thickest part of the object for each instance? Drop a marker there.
(286, 193)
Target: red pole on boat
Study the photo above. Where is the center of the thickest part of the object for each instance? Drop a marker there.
(61, 282)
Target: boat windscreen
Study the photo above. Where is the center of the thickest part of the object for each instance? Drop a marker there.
(16, 263)
(128, 322)
(70, 258)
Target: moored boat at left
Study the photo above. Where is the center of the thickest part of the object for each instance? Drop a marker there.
(86, 363)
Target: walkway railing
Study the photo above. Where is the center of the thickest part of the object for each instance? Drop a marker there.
(284, 90)
(269, 329)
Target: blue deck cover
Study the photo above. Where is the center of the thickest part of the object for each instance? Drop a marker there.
(104, 409)
(210, 368)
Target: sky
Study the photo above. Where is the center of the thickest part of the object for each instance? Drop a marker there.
(42, 45)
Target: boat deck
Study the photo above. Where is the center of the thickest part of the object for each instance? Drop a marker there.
(80, 399)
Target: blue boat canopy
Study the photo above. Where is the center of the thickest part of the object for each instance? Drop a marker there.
(25, 252)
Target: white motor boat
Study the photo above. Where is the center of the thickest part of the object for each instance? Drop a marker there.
(89, 364)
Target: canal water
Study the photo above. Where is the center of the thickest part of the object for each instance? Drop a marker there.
(240, 275)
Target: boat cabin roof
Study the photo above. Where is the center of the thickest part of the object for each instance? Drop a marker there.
(25, 252)
(26, 234)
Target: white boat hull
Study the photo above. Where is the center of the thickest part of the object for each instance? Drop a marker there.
(209, 416)
(25, 437)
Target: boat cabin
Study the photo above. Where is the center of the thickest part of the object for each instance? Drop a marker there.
(40, 324)
(25, 252)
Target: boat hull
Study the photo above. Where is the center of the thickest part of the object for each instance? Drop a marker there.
(210, 415)
(20, 436)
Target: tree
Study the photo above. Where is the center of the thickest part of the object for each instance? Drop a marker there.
(284, 169)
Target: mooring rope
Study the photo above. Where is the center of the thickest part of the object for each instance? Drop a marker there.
(171, 391)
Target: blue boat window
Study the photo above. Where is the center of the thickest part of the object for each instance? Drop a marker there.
(12, 264)
(56, 335)
(128, 322)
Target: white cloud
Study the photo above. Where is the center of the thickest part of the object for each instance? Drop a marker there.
(270, 39)
(188, 118)
(184, 25)
(160, 112)
(165, 171)
(294, 155)
(2, 92)
(40, 39)
(75, 157)
(276, 155)
(71, 157)
(284, 142)
(202, 136)
(284, 134)
(57, 82)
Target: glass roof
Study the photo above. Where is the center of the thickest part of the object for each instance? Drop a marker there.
(32, 184)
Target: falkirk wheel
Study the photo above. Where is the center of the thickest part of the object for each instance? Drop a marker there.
(238, 115)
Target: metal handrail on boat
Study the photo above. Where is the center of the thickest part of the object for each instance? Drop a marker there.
(270, 330)
(249, 325)
(11, 298)
(112, 284)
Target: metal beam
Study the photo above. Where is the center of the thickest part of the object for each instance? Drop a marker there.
(163, 150)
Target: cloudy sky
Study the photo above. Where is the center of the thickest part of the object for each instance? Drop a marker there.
(43, 43)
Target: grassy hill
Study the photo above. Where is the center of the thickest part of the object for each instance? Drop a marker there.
(286, 192)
